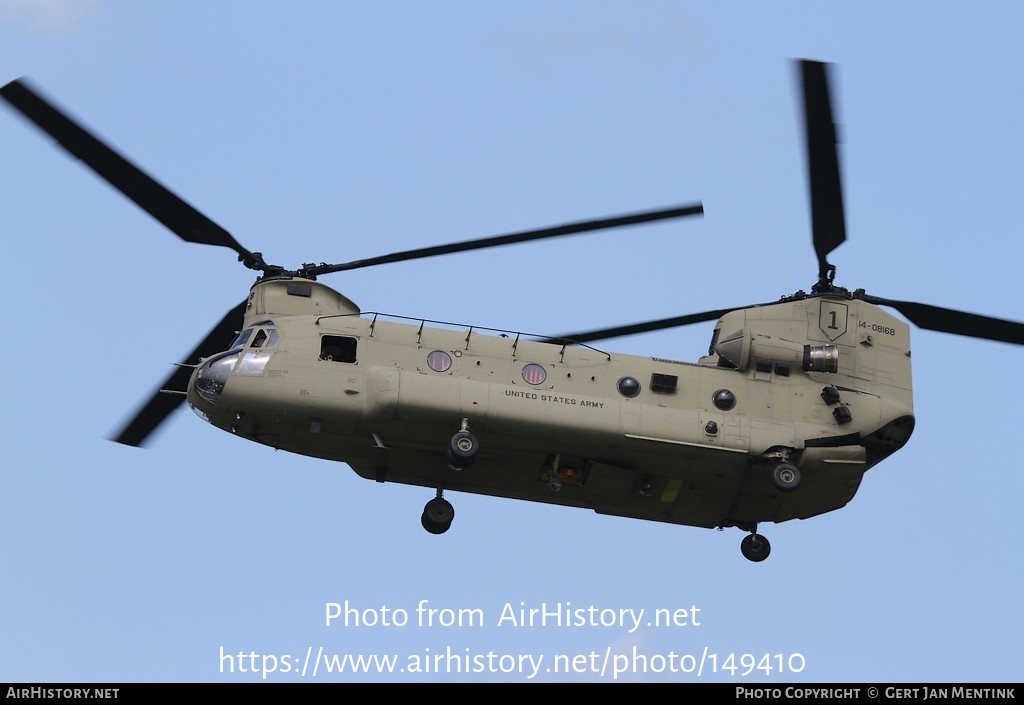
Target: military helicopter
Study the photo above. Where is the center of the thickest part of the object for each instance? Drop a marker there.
(794, 401)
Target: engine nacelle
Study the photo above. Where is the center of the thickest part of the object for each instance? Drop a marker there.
(740, 347)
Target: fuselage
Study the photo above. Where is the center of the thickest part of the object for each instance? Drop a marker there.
(644, 437)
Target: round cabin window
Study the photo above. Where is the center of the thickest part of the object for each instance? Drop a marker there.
(439, 361)
(628, 387)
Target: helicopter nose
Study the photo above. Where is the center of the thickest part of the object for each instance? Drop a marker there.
(212, 376)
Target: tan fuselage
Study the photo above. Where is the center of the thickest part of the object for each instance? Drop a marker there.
(695, 445)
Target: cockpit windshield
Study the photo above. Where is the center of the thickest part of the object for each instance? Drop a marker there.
(242, 338)
(263, 335)
(249, 355)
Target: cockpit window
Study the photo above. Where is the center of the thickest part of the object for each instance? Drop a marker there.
(241, 339)
(257, 337)
(265, 338)
(253, 363)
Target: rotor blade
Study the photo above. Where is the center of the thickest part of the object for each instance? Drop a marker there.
(557, 231)
(828, 224)
(633, 328)
(947, 320)
(160, 405)
(157, 200)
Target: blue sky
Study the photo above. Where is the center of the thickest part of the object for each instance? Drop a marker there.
(339, 130)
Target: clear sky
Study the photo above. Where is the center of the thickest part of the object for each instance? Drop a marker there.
(331, 131)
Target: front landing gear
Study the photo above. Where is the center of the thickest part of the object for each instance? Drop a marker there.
(437, 515)
(786, 477)
(755, 547)
(463, 447)
(782, 462)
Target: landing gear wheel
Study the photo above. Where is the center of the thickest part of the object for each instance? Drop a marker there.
(432, 527)
(437, 515)
(462, 449)
(755, 547)
(786, 477)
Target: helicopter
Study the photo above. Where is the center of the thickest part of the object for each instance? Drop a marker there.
(794, 401)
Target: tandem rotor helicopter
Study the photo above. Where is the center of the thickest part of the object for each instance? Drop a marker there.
(794, 401)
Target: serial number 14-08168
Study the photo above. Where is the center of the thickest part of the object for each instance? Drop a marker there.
(884, 330)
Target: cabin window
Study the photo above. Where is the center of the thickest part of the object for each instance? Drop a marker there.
(628, 387)
(664, 384)
(534, 374)
(337, 348)
(723, 399)
(439, 361)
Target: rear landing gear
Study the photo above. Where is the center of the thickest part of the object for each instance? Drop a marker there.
(437, 515)
(755, 547)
